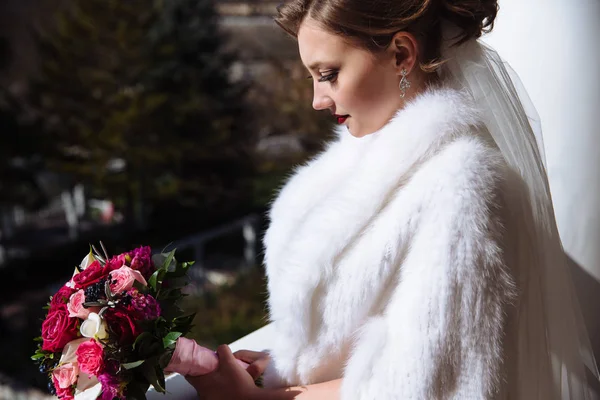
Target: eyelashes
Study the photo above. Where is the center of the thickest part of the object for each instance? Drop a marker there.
(326, 78)
(329, 77)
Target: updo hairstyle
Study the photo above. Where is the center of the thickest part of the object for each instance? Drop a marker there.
(371, 24)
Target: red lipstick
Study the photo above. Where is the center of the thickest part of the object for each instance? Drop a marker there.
(341, 118)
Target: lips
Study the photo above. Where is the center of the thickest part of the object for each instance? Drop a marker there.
(341, 118)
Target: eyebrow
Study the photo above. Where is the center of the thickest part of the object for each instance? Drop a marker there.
(315, 65)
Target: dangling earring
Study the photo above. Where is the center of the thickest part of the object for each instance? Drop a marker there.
(404, 83)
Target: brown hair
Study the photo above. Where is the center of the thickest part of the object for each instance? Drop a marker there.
(373, 23)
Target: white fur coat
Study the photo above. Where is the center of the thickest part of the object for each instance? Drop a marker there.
(387, 261)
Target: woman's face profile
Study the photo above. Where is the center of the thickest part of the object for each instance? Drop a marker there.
(360, 89)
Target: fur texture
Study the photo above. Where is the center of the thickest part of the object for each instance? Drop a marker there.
(386, 261)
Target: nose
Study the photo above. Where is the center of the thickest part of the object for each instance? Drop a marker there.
(321, 100)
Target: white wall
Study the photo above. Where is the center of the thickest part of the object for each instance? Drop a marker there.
(554, 45)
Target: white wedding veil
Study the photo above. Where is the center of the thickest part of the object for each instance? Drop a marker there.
(555, 358)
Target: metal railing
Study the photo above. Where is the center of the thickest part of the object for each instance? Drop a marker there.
(249, 226)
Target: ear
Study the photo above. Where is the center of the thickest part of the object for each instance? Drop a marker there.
(404, 50)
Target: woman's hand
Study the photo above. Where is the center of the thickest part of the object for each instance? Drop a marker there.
(228, 382)
(258, 361)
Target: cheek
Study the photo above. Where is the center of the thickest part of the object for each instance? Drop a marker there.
(369, 95)
(356, 94)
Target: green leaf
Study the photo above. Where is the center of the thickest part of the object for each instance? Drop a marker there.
(183, 324)
(133, 365)
(180, 270)
(176, 282)
(170, 256)
(145, 336)
(37, 356)
(137, 390)
(171, 295)
(140, 287)
(151, 374)
(149, 348)
(171, 338)
(152, 281)
(161, 378)
(169, 310)
(158, 260)
(165, 358)
(160, 275)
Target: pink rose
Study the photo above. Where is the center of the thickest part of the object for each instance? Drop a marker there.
(116, 263)
(89, 357)
(66, 375)
(75, 306)
(122, 279)
(63, 393)
(58, 329)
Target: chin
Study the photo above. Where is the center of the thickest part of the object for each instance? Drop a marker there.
(358, 133)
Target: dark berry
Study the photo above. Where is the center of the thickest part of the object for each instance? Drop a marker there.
(95, 292)
(126, 300)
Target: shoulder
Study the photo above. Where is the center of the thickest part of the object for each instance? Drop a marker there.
(466, 177)
(470, 160)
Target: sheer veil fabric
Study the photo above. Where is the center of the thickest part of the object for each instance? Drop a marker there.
(555, 358)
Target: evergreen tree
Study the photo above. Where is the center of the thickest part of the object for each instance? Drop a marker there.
(205, 112)
(145, 84)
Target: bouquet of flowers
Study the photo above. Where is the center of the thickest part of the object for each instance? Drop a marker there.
(115, 328)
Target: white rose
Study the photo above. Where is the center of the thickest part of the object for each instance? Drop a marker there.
(93, 327)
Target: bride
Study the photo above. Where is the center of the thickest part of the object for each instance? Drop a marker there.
(417, 257)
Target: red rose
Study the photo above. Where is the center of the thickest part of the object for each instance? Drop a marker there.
(89, 276)
(89, 357)
(58, 329)
(62, 393)
(122, 325)
(61, 297)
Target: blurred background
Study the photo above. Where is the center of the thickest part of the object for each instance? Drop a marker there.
(174, 122)
(142, 122)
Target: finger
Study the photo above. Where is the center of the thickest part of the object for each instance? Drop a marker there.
(257, 368)
(225, 354)
(248, 356)
(196, 381)
(254, 371)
